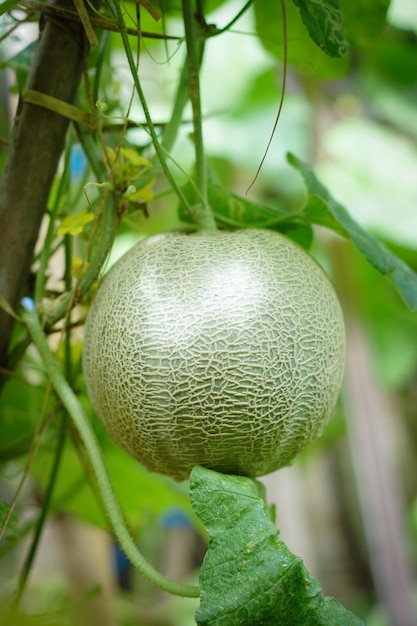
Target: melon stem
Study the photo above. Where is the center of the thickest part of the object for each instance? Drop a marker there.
(86, 433)
(202, 214)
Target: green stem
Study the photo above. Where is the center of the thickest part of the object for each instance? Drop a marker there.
(46, 249)
(202, 214)
(102, 61)
(89, 146)
(219, 31)
(58, 452)
(104, 241)
(171, 129)
(56, 310)
(88, 437)
(160, 153)
(193, 67)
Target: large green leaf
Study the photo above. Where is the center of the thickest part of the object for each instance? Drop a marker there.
(323, 21)
(323, 209)
(303, 52)
(392, 328)
(7, 5)
(233, 211)
(249, 576)
(21, 404)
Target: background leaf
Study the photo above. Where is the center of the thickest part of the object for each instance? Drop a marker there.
(142, 495)
(249, 576)
(303, 53)
(7, 5)
(323, 21)
(322, 209)
(363, 20)
(11, 532)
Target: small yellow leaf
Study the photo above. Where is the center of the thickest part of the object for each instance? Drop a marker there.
(144, 194)
(74, 224)
(127, 164)
(134, 158)
(78, 266)
(110, 154)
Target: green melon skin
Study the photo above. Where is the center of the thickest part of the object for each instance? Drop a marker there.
(224, 350)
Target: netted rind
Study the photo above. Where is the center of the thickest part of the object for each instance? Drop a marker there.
(222, 350)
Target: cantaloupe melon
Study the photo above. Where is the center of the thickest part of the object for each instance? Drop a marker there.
(225, 350)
